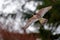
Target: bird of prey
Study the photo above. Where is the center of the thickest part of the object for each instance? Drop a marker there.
(38, 16)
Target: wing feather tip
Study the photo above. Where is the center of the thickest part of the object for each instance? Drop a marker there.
(49, 7)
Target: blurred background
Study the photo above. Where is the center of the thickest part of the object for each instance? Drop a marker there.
(15, 13)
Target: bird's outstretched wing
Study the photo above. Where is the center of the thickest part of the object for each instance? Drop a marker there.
(43, 11)
(37, 16)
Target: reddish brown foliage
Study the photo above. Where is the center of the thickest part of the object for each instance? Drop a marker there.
(16, 36)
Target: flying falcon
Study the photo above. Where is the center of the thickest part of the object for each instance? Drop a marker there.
(38, 16)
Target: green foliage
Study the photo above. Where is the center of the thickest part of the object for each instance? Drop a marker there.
(53, 16)
(45, 34)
